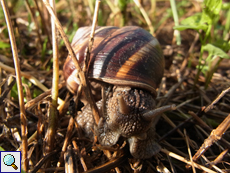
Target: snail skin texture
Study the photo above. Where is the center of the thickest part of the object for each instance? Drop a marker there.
(128, 62)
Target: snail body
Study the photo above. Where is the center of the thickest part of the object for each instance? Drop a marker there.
(130, 61)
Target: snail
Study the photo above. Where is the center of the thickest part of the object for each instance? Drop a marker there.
(128, 62)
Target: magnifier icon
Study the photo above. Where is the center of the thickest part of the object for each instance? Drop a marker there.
(9, 160)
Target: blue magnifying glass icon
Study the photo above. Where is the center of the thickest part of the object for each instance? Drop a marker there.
(9, 160)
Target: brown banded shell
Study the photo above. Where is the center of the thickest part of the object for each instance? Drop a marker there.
(128, 56)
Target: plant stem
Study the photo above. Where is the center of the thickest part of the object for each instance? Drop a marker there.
(199, 65)
(227, 26)
(51, 131)
(203, 42)
(176, 21)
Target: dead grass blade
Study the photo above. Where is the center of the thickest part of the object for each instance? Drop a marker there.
(72, 54)
(19, 84)
(76, 148)
(26, 75)
(31, 78)
(53, 113)
(91, 39)
(210, 165)
(42, 161)
(35, 21)
(186, 161)
(34, 101)
(189, 151)
(216, 100)
(46, 30)
(7, 90)
(148, 21)
(66, 141)
(69, 160)
(109, 165)
(219, 158)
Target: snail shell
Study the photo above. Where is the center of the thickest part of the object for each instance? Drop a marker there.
(128, 56)
(131, 61)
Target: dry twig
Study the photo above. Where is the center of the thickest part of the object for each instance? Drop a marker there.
(215, 135)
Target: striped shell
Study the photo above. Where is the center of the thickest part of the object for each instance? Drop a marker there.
(128, 56)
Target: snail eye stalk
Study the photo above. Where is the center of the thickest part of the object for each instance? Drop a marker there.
(123, 107)
(153, 113)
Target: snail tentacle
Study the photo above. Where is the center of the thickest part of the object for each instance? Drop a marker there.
(153, 113)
